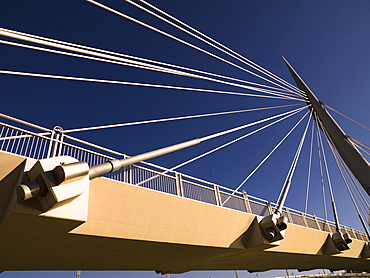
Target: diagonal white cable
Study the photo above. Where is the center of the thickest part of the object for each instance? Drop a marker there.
(140, 59)
(361, 196)
(133, 84)
(309, 167)
(347, 117)
(360, 192)
(364, 147)
(140, 65)
(328, 179)
(359, 143)
(361, 147)
(344, 170)
(321, 174)
(173, 119)
(179, 40)
(244, 126)
(107, 58)
(286, 115)
(366, 198)
(24, 122)
(48, 132)
(207, 40)
(223, 46)
(264, 160)
(289, 178)
(354, 180)
(22, 136)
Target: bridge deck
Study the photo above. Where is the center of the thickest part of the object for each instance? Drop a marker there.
(128, 227)
(25, 143)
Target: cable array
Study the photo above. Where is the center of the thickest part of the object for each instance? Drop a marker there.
(283, 117)
(206, 39)
(277, 88)
(361, 203)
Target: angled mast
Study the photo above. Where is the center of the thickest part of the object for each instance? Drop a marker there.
(358, 165)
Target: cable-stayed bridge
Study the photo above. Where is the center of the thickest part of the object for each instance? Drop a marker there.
(170, 223)
(173, 223)
(57, 212)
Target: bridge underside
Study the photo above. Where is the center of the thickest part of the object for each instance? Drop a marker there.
(117, 226)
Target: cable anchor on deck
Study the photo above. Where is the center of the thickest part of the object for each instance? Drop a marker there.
(273, 226)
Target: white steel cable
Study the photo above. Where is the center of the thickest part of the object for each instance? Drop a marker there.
(360, 192)
(172, 119)
(360, 146)
(22, 136)
(364, 147)
(355, 181)
(293, 112)
(134, 84)
(178, 39)
(147, 67)
(266, 157)
(342, 168)
(42, 135)
(365, 198)
(347, 117)
(364, 204)
(141, 59)
(329, 180)
(200, 38)
(288, 181)
(218, 43)
(322, 177)
(24, 123)
(359, 143)
(309, 167)
(244, 126)
(107, 58)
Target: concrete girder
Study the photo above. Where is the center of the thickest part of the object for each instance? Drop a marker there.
(134, 228)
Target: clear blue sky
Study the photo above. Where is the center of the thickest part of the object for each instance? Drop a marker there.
(327, 42)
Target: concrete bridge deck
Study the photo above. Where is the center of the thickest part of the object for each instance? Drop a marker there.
(117, 226)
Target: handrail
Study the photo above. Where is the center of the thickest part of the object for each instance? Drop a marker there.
(235, 201)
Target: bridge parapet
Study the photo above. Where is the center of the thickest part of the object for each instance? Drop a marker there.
(33, 144)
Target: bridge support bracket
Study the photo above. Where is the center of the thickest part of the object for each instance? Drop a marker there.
(273, 227)
(341, 241)
(365, 254)
(54, 196)
(253, 237)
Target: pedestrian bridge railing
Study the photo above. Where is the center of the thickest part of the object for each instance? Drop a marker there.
(34, 144)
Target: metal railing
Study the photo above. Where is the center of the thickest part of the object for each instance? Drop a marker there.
(54, 143)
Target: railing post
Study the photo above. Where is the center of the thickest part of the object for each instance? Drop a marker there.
(304, 219)
(179, 189)
(246, 202)
(51, 144)
(55, 141)
(125, 173)
(217, 195)
(60, 144)
(269, 208)
(326, 224)
(354, 233)
(130, 173)
(289, 215)
(317, 222)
